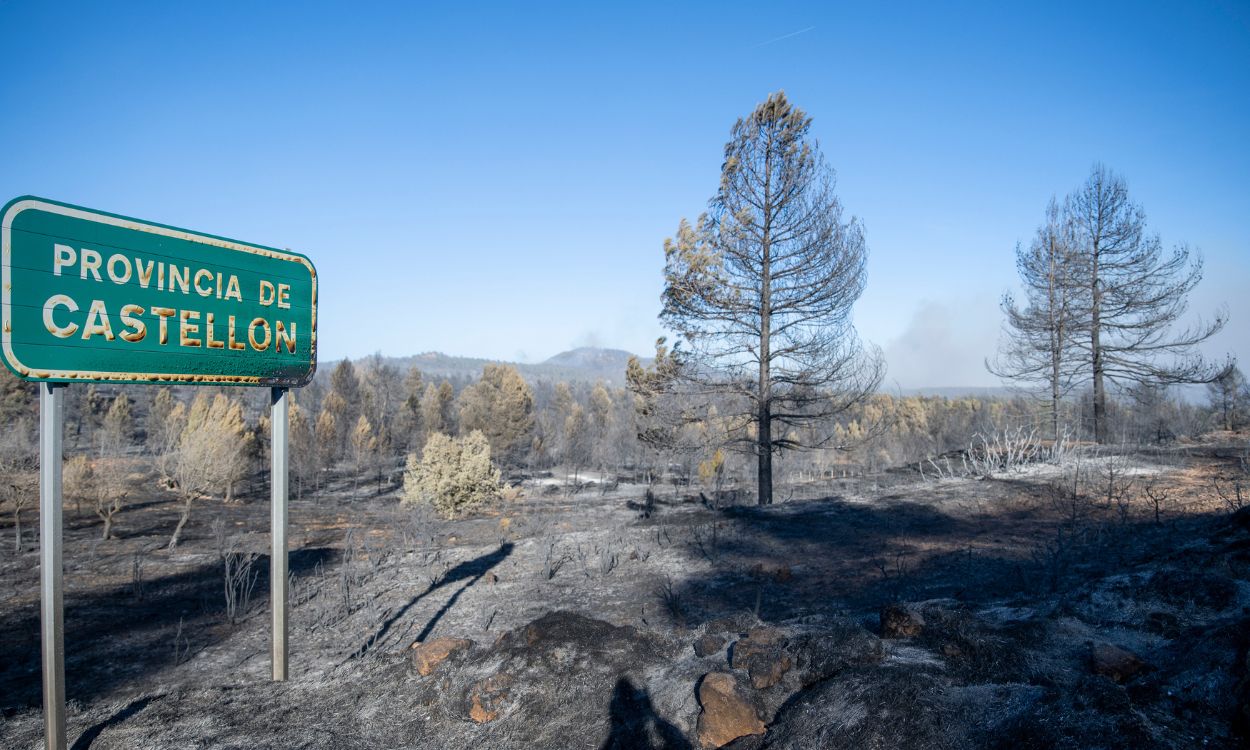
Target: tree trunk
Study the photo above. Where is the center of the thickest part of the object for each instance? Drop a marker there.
(765, 427)
(1056, 338)
(182, 521)
(765, 475)
(17, 528)
(108, 526)
(1100, 396)
(1095, 331)
(1054, 405)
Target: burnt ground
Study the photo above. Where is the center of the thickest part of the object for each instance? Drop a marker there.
(583, 609)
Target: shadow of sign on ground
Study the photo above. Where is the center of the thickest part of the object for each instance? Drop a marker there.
(115, 640)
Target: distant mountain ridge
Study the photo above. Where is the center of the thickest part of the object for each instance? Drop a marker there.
(590, 364)
(956, 392)
(583, 364)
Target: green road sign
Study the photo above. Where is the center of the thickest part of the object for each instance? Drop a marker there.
(100, 297)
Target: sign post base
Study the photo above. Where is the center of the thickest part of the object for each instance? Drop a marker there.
(51, 604)
(280, 406)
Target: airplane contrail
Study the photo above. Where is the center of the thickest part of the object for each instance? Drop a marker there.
(786, 36)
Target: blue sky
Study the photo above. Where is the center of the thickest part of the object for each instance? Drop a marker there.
(498, 180)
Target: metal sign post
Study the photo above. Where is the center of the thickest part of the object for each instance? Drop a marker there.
(51, 612)
(279, 401)
(98, 297)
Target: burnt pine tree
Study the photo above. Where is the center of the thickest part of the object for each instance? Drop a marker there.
(1039, 348)
(1136, 293)
(761, 290)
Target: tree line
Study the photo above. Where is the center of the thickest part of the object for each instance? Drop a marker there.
(465, 442)
(356, 426)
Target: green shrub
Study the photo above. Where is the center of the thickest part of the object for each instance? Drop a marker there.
(452, 474)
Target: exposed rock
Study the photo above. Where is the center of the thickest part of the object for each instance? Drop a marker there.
(762, 653)
(486, 698)
(900, 621)
(766, 634)
(709, 644)
(781, 664)
(1117, 663)
(427, 656)
(726, 715)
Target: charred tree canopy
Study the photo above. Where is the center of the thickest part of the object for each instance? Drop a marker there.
(1135, 293)
(760, 289)
(1040, 330)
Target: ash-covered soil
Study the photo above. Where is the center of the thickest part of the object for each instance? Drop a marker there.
(891, 611)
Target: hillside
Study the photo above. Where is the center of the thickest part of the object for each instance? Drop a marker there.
(584, 364)
(888, 611)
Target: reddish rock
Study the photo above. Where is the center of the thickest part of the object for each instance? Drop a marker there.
(487, 697)
(767, 635)
(900, 621)
(427, 656)
(726, 714)
(1117, 663)
(762, 654)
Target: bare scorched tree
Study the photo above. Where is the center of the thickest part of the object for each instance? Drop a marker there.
(1136, 293)
(1230, 397)
(762, 288)
(1039, 347)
